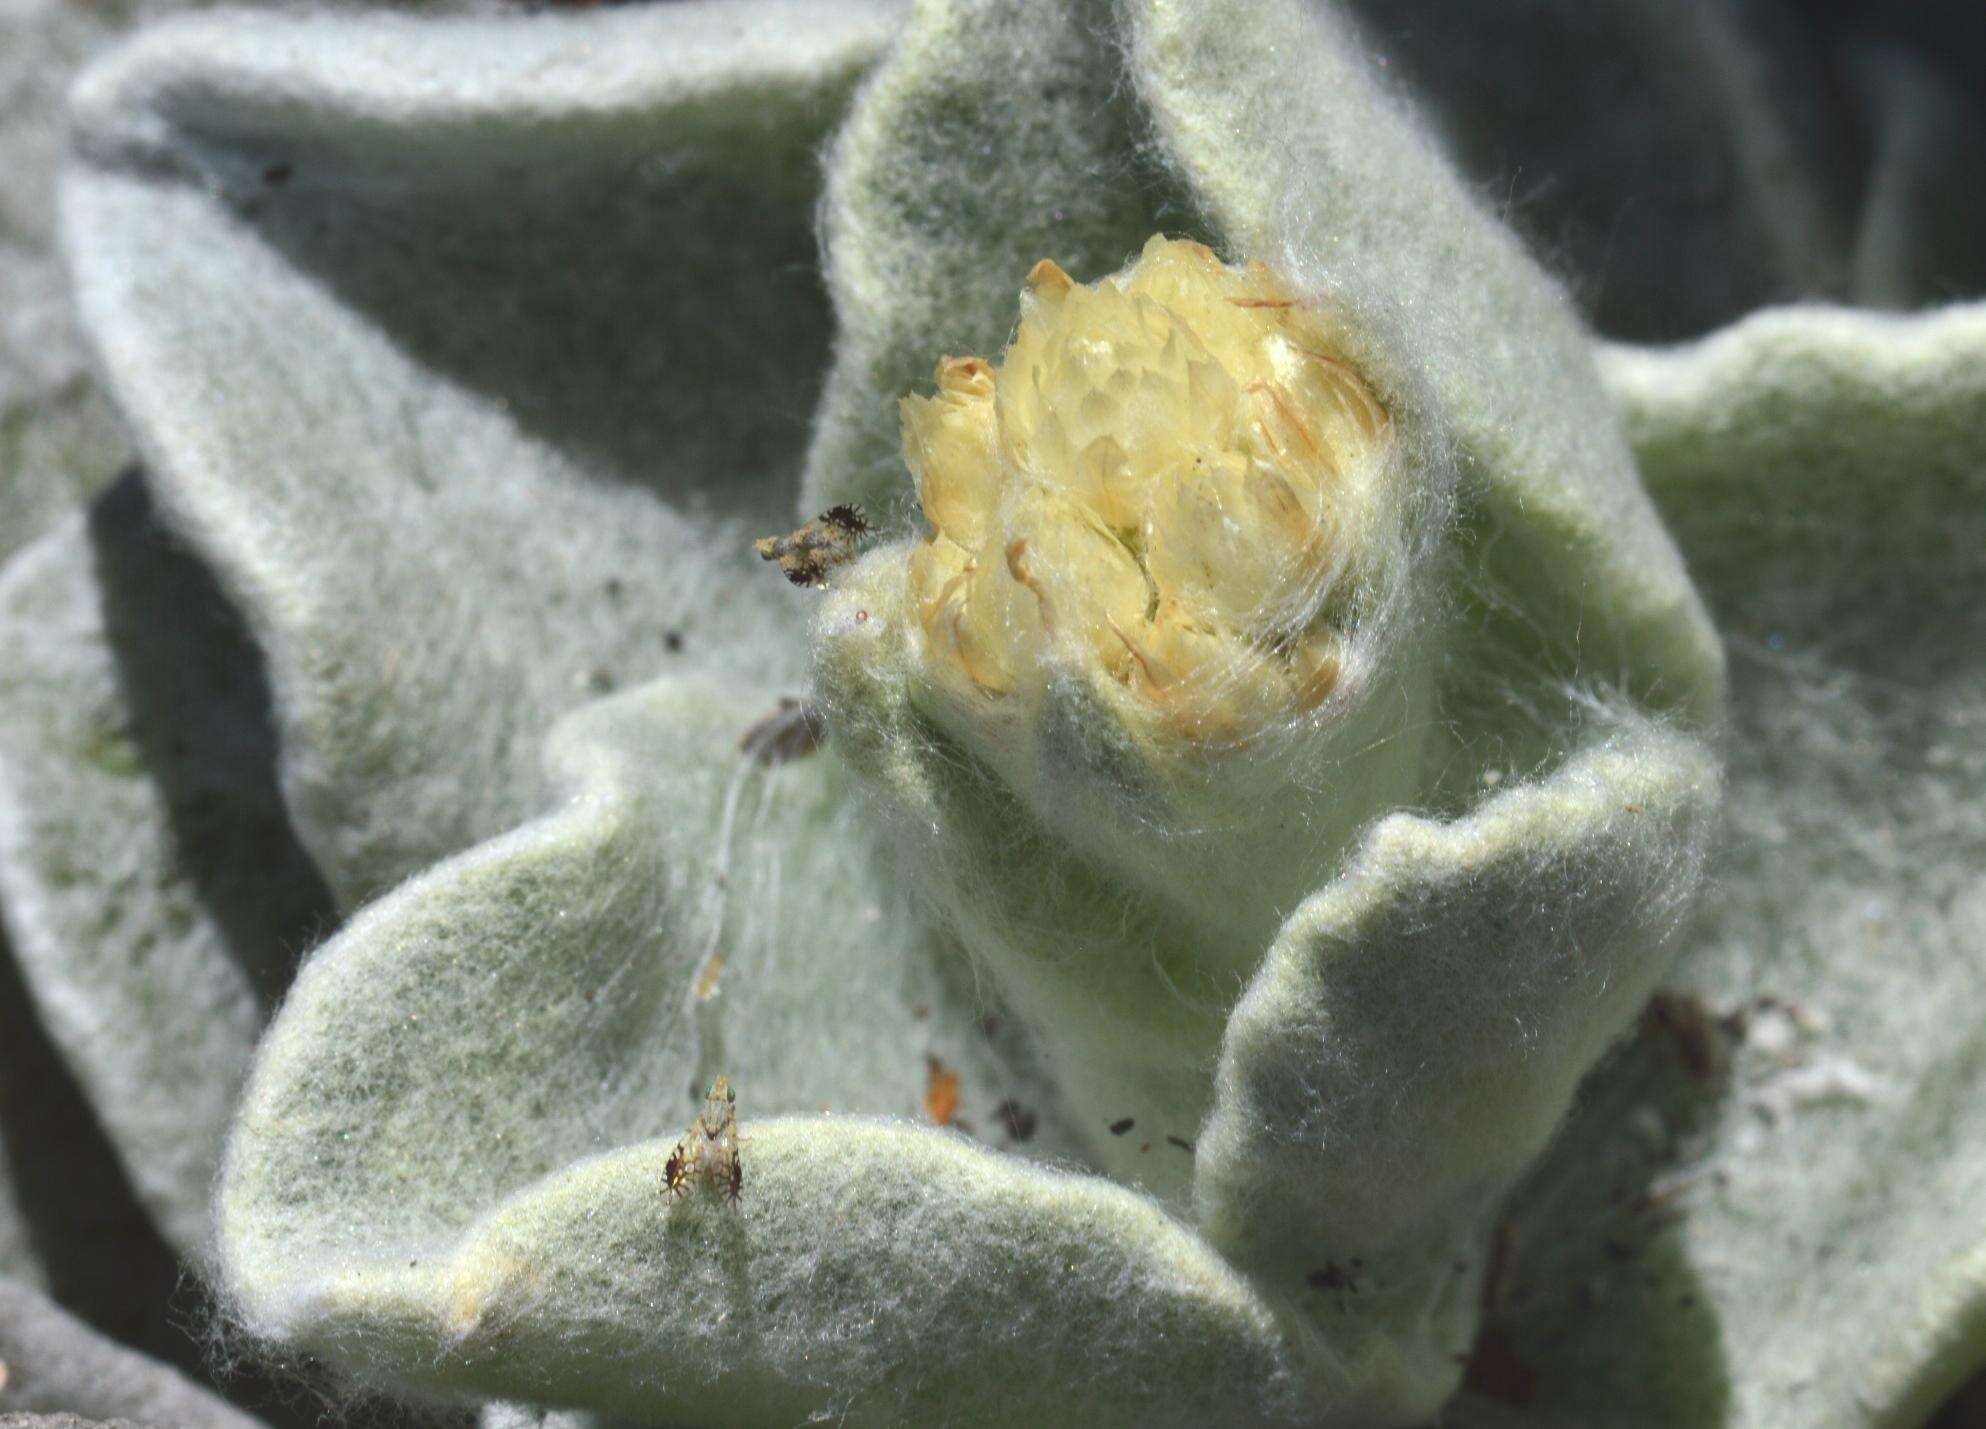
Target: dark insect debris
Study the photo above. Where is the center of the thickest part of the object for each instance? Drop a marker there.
(792, 731)
(1332, 1276)
(827, 541)
(1017, 1120)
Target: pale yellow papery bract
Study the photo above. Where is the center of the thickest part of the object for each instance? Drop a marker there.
(1162, 487)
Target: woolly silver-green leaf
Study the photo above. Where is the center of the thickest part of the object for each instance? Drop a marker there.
(873, 1272)
(387, 300)
(459, 484)
(1823, 471)
(59, 438)
(690, 910)
(1797, 1134)
(1371, 1087)
(149, 884)
(57, 1364)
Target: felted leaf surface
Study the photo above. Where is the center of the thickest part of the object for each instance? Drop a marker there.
(506, 1415)
(59, 439)
(880, 1273)
(571, 989)
(1824, 473)
(1422, 1023)
(1789, 1235)
(151, 888)
(56, 1363)
(464, 351)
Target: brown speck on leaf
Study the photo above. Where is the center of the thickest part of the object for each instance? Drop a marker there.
(941, 1092)
(792, 731)
(1332, 1276)
(706, 980)
(827, 541)
(990, 1025)
(672, 641)
(1016, 1119)
(1180, 1142)
(277, 174)
(1119, 1127)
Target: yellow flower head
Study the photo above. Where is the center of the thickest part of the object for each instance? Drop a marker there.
(1162, 488)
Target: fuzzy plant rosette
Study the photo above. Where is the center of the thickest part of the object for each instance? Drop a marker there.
(1177, 911)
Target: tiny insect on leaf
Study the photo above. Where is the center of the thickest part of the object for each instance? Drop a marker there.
(709, 1148)
(827, 541)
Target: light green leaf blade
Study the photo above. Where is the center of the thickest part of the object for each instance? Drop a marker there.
(1801, 1227)
(1419, 1030)
(59, 1365)
(1824, 471)
(469, 354)
(59, 438)
(151, 888)
(561, 992)
(873, 1273)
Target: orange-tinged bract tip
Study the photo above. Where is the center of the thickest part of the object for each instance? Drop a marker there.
(1160, 487)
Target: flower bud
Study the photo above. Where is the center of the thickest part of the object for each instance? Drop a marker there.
(1151, 668)
(1160, 492)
